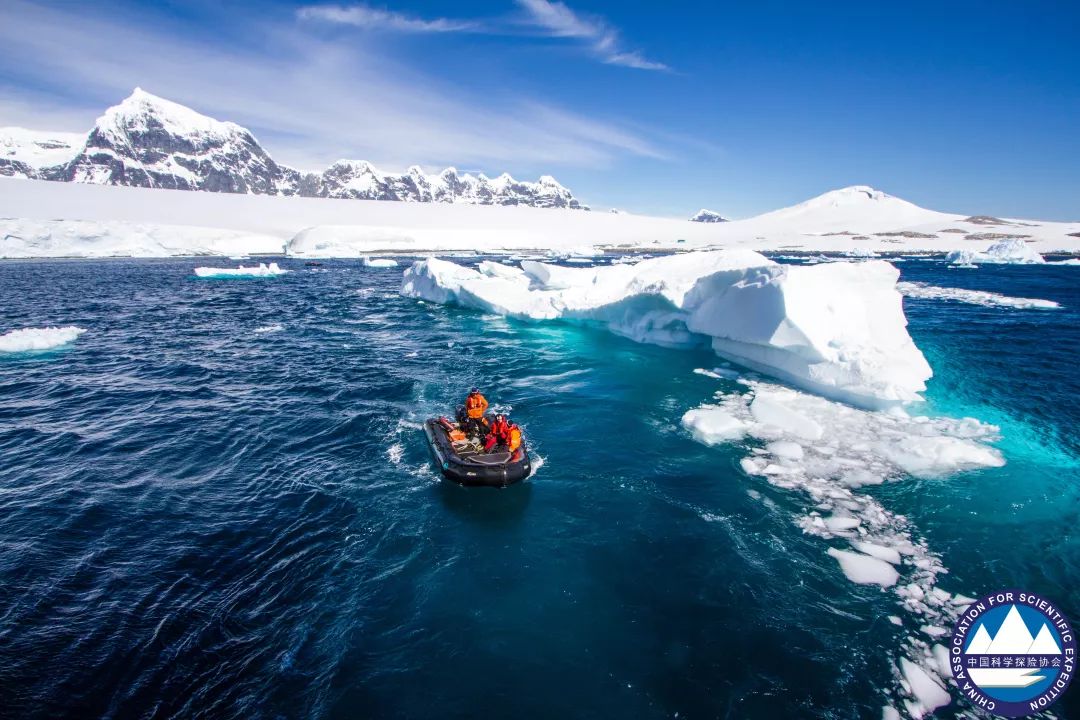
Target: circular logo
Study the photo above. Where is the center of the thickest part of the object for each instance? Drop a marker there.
(1012, 653)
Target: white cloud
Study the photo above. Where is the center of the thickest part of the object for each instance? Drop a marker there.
(366, 17)
(558, 20)
(309, 100)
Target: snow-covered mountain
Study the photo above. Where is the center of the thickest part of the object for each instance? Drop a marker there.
(708, 216)
(851, 210)
(147, 141)
(23, 153)
(359, 179)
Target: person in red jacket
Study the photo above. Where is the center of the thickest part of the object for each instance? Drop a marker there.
(505, 436)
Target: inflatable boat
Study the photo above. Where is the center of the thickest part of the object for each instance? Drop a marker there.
(465, 462)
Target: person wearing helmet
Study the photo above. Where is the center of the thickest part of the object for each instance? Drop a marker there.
(471, 415)
(505, 436)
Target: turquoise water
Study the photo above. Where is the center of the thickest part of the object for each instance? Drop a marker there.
(205, 520)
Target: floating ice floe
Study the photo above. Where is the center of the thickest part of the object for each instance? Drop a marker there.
(38, 339)
(973, 297)
(378, 262)
(1071, 261)
(263, 270)
(1013, 251)
(836, 329)
(825, 451)
(266, 329)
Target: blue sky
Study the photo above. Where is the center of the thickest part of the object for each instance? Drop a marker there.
(659, 108)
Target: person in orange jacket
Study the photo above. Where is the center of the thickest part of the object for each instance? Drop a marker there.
(504, 435)
(471, 415)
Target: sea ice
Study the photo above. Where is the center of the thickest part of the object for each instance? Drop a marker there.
(888, 554)
(864, 569)
(927, 691)
(836, 329)
(973, 297)
(857, 447)
(36, 339)
(263, 270)
(374, 262)
(713, 426)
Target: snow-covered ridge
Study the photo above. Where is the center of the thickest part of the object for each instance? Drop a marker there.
(24, 152)
(836, 329)
(148, 141)
(708, 216)
(361, 180)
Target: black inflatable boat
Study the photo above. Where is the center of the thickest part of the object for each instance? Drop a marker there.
(466, 463)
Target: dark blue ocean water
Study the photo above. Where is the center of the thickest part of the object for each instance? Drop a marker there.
(202, 520)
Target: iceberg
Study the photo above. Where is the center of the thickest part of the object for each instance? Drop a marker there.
(38, 339)
(374, 262)
(834, 329)
(1013, 251)
(263, 270)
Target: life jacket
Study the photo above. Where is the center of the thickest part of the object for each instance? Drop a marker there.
(507, 434)
(475, 405)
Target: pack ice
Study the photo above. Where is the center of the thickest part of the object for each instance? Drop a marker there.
(835, 329)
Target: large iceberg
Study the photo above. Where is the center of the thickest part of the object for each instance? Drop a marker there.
(1013, 251)
(835, 329)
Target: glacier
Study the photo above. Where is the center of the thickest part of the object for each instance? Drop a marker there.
(24, 238)
(836, 329)
(57, 216)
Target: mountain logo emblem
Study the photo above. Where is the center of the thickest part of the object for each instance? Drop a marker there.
(1012, 653)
